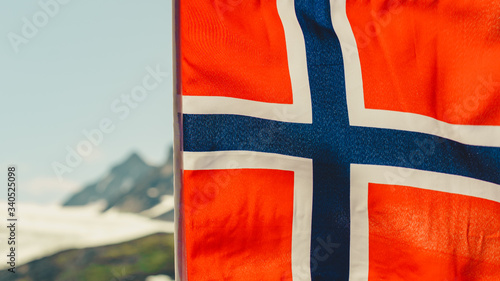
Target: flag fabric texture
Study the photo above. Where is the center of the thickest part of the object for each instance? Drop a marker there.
(338, 140)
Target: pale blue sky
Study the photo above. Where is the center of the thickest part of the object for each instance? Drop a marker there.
(64, 79)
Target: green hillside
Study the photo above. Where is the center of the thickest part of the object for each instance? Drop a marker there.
(129, 261)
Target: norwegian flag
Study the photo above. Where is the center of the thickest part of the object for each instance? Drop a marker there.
(338, 140)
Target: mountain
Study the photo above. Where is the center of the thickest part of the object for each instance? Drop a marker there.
(148, 190)
(133, 260)
(120, 180)
(132, 186)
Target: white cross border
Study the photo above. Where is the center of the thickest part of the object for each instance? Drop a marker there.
(360, 116)
(302, 193)
(362, 175)
(298, 112)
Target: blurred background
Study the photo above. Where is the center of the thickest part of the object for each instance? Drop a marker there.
(86, 93)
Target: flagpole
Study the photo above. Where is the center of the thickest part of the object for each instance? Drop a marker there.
(177, 104)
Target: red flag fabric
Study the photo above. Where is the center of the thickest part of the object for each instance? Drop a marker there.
(338, 140)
